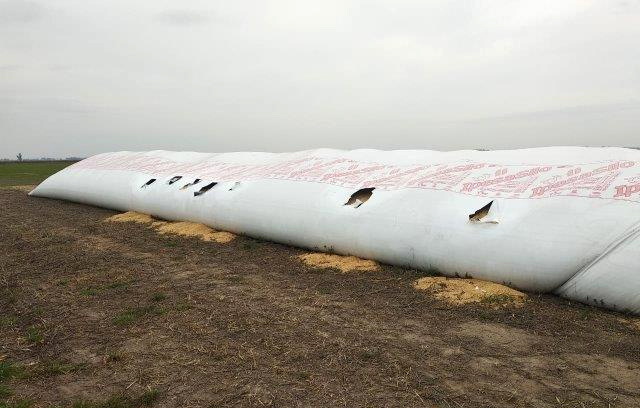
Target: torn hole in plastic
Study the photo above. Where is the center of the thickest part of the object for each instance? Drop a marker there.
(193, 183)
(204, 189)
(486, 214)
(360, 197)
(174, 179)
(148, 183)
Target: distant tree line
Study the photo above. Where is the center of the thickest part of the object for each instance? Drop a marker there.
(20, 158)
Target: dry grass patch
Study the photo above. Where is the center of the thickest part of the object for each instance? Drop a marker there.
(462, 291)
(181, 228)
(26, 187)
(342, 263)
(634, 323)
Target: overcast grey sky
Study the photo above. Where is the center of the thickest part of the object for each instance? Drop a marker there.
(79, 77)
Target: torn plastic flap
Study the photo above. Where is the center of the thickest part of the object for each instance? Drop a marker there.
(489, 214)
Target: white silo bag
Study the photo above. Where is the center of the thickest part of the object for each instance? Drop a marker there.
(557, 219)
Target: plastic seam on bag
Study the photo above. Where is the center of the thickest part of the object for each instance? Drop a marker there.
(632, 232)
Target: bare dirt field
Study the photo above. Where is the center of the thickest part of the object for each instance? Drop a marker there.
(114, 314)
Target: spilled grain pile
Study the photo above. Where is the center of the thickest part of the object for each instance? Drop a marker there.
(181, 228)
(460, 291)
(343, 263)
(132, 216)
(192, 229)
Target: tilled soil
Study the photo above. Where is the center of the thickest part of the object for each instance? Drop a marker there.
(99, 312)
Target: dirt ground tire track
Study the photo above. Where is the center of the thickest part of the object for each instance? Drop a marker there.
(245, 324)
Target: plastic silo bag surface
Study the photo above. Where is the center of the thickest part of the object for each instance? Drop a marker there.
(558, 219)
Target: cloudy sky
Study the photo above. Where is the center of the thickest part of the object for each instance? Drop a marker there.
(79, 77)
